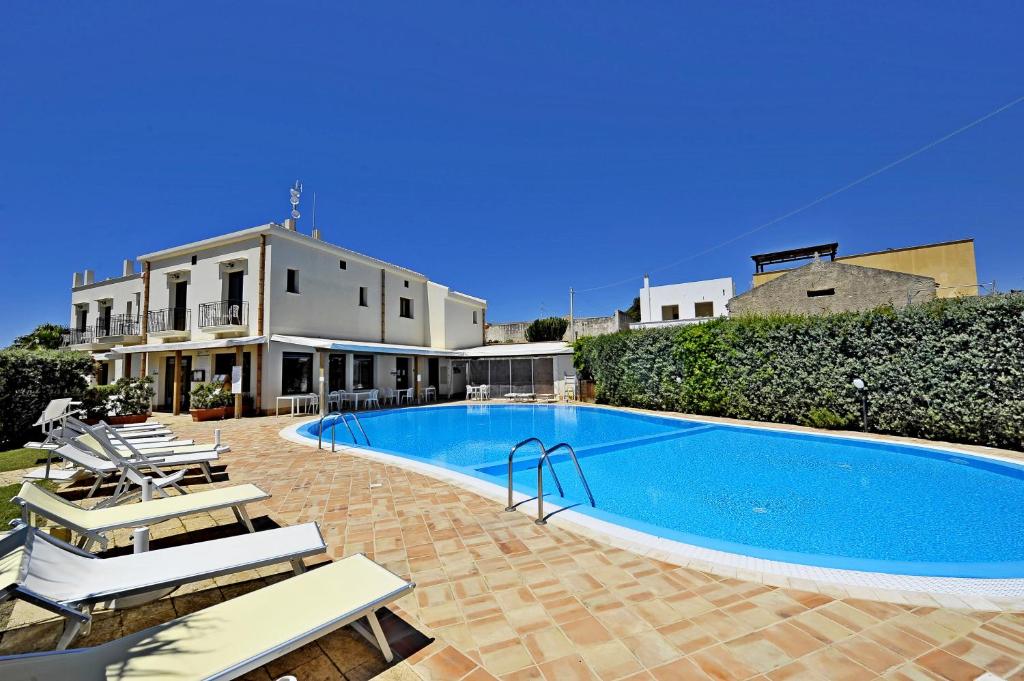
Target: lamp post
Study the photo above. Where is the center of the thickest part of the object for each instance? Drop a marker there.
(862, 388)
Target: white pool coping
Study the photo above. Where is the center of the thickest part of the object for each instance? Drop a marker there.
(946, 592)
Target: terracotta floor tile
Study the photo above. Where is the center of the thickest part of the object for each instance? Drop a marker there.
(445, 665)
(652, 648)
(721, 664)
(610, 660)
(687, 636)
(546, 645)
(568, 668)
(586, 631)
(949, 667)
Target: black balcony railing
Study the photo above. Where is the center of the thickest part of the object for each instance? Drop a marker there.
(224, 313)
(170, 319)
(118, 325)
(80, 336)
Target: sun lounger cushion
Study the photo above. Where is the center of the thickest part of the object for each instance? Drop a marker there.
(231, 638)
(75, 517)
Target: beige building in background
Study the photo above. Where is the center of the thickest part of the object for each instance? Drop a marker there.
(951, 264)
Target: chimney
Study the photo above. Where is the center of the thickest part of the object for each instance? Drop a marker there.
(647, 281)
(90, 277)
(128, 267)
(316, 233)
(289, 224)
(76, 280)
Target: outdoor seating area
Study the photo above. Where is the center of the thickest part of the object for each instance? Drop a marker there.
(139, 475)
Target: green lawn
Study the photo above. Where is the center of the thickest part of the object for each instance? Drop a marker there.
(15, 459)
(9, 511)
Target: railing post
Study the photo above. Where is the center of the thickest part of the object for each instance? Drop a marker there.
(540, 492)
(320, 434)
(334, 430)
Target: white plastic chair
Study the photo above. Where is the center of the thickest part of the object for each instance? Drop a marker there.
(333, 397)
(430, 394)
(405, 396)
(372, 399)
(312, 403)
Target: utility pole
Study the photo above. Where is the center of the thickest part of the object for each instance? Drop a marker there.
(572, 321)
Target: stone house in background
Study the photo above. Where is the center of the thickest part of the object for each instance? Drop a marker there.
(829, 286)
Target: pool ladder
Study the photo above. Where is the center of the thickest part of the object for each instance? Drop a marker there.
(343, 417)
(545, 456)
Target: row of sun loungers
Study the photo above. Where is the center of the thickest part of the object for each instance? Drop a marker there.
(220, 642)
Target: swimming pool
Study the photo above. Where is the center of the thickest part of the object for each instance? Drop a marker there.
(802, 498)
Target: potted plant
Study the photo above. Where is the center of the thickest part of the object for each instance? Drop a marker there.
(210, 401)
(128, 400)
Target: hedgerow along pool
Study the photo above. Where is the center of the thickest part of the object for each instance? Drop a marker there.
(819, 500)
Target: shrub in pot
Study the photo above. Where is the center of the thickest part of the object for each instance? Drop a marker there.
(210, 401)
(127, 400)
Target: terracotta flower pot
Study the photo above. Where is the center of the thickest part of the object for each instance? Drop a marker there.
(119, 420)
(212, 414)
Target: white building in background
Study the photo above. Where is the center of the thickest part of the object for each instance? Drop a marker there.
(687, 303)
(291, 309)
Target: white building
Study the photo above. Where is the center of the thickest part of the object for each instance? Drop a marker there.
(688, 303)
(291, 309)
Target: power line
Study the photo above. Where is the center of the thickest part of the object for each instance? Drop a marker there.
(824, 197)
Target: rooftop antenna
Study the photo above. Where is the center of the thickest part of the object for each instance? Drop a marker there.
(296, 192)
(314, 210)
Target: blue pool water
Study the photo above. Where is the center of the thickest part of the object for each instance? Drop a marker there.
(817, 500)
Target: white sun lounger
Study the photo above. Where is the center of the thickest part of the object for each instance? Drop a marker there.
(54, 575)
(92, 524)
(95, 442)
(231, 638)
(126, 472)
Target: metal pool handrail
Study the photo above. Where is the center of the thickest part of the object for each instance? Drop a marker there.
(511, 454)
(343, 417)
(579, 470)
(540, 480)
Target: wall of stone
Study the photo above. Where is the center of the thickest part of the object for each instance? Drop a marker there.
(806, 290)
(515, 332)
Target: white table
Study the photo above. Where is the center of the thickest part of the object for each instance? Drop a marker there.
(295, 401)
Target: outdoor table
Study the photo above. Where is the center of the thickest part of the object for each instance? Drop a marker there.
(293, 400)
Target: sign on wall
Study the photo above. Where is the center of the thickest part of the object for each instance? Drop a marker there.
(236, 380)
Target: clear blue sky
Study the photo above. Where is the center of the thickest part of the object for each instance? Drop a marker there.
(509, 150)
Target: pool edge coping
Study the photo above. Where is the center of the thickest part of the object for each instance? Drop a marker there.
(996, 595)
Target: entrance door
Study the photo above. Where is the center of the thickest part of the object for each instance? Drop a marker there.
(186, 382)
(335, 372)
(235, 288)
(434, 373)
(402, 373)
(180, 305)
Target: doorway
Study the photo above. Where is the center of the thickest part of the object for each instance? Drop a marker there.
(402, 373)
(186, 382)
(180, 315)
(335, 372)
(235, 288)
(434, 373)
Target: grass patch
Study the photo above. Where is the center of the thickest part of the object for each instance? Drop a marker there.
(16, 459)
(9, 511)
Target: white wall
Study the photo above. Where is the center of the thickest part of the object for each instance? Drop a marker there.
(686, 295)
(460, 330)
(207, 280)
(120, 290)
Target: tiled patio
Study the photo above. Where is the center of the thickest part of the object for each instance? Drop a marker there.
(506, 599)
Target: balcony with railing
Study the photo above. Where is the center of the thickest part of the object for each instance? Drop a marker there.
(119, 327)
(170, 322)
(224, 316)
(84, 335)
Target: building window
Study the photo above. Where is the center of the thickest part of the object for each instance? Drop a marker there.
(128, 311)
(224, 362)
(669, 312)
(704, 309)
(342, 264)
(821, 292)
(293, 281)
(296, 373)
(474, 316)
(363, 296)
(195, 259)
(362, 371)
(406, 283)
(405, 307)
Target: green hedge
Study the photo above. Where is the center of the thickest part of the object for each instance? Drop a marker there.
(31, 378)
(952, 369)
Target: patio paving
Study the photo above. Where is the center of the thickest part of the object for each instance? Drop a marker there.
(504, 598)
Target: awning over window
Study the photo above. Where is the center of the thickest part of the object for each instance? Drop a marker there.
(189, 345)
(363, 346)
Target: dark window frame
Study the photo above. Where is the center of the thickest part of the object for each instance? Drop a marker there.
(363, 367)
(405, 308)
(295, 360)
(292, 281)
(364, 296)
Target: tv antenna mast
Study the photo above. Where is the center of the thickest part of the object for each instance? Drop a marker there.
(296, 192)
